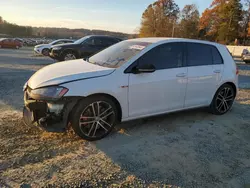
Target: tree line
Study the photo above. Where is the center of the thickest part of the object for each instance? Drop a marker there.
(225, 21)
(13, 29)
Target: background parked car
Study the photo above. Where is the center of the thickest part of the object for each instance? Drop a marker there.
(10, 43)
(19, 40)
(244, 52)
(82, 48)
(45, 48)
(29, 42)
(246, 58)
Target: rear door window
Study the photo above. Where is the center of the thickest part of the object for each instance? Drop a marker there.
(108, 42)
(98, 41)
(199, 54)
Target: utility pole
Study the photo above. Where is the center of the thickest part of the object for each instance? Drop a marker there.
(229, 28)
(173, 28)
(247, 22)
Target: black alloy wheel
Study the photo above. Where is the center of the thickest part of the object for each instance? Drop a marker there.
(223, 100)
(94, 119)
(45, 52)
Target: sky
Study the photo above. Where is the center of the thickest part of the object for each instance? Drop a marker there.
(112, 15)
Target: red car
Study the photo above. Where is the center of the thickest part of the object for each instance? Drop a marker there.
(10, 43)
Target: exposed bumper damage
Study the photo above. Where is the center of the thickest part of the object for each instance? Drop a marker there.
(52, 116)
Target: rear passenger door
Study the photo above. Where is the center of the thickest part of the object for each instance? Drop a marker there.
(108, 42)
(204, 73)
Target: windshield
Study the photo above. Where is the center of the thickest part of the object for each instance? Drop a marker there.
(118, 54)
(79, 41)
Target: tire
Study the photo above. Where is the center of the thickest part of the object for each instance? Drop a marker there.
(69, 56)
(45, 52)
(94, 127)
(223, 100)
(17, 47)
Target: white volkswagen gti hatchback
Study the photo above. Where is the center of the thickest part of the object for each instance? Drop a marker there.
(132, 79)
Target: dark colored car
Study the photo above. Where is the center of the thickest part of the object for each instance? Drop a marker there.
(82, 48)
(10, 43)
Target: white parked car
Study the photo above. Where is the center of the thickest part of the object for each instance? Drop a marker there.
(44, 49)
(132, 79)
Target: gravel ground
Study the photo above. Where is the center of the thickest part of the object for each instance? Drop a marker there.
(185, 149)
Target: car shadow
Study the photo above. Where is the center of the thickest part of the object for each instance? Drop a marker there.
(11, 84)
(26, 60)
(186, 149)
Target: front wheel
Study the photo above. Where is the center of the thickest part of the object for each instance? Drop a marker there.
(45, 52)
(223, 100)
(94, 118)
(69, 56)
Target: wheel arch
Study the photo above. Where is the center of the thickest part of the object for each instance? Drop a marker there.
(117, 103)
(229, 83)
(71, 50)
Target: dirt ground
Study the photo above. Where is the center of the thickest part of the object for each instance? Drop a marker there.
(184, 149)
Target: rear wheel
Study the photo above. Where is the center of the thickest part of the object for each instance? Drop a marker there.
(94, 118)
(223, 100)
(45, 52)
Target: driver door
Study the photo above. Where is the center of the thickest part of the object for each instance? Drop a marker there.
(162, 90)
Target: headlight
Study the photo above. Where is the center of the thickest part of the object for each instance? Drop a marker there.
(52, 93)
(25, 86)
(57, 48)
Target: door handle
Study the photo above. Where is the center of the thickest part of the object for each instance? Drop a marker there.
(217, 71)
(181, 75)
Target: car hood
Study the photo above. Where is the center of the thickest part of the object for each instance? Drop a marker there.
(67, 71)
(43, 45)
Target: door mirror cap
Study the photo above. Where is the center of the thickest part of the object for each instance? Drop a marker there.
(147, 68)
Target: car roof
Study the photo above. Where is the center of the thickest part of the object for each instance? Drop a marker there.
(105, 36)
(165, 39)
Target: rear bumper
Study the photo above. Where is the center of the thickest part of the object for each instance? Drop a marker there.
(52, 116)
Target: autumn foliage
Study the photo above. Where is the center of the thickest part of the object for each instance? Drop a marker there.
(224, 21)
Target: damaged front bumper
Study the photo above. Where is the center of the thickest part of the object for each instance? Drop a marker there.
(52, 116)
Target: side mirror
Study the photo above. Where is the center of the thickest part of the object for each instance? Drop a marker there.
(147, 68)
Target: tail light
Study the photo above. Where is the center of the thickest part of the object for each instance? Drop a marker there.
(237, 70)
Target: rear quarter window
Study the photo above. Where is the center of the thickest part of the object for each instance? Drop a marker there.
(217, 59)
